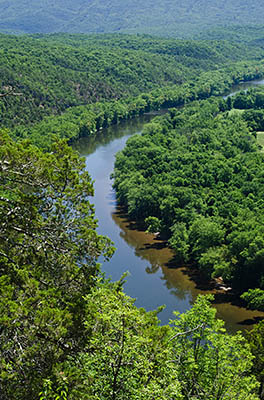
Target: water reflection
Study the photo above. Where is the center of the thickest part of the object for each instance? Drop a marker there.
(244, 86)
(182, 283)
(88, 145)
(155, 278)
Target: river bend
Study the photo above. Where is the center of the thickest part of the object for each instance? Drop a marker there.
(153, 278)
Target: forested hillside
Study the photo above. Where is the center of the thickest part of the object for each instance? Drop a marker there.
(52, 76)
(161, 17)
(56, 72)
(87, 120)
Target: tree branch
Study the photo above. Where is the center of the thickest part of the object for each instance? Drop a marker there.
(187, 332)
(11, 93)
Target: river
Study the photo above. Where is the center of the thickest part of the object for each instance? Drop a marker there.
(153, 279)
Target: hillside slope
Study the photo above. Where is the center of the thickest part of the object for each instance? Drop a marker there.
(55, 72)
(162, 17)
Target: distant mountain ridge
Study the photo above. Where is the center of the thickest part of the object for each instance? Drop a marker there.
(161, 17)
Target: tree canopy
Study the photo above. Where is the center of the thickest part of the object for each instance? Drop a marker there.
(197, 173)
(49, 252)
(66, 333)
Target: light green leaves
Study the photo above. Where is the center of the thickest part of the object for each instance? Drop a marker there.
(211, 364)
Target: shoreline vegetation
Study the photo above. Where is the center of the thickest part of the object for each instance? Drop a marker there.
(210, 202)
(66, 332)
(74, 85)
(82, 121)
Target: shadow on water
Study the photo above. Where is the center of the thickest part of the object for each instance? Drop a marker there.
(250, 322)
(155, 276)
(184, 283)
(156, 245)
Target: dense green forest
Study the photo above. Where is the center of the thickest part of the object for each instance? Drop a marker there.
(79, 78)
(160, 17)
(196, 175)
(66, 333)
(82, 121)
(56, 72)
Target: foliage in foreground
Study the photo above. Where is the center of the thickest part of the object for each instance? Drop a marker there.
(129, 356)
(256, 341)
(48, 261)
(68, 335)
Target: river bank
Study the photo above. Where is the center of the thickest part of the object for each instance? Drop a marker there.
(154, 278)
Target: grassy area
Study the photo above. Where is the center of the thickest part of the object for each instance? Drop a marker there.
(260, 139)
(235, 111)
